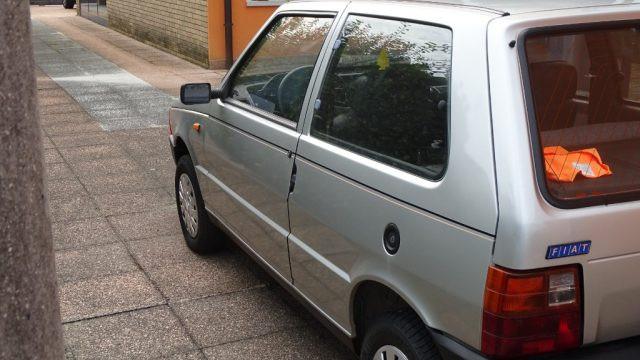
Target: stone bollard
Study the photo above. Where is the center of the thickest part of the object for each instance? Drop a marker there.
(30, 325)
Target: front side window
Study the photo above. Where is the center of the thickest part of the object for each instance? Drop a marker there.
(275, 76)
(585, 87)
(386, 94)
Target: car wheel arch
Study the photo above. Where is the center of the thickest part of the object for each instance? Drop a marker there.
(387, 297)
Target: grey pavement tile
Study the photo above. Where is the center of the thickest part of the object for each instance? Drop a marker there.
(79, 233)
(46, 142)
(103, 115)
(124, 203)
(60, 109)
(141, 334)
(83, 139)
(157, 147)
(232, 317)
(106, 166)
(57, 188)
(160, 222)
(52, 92)
(92, 152)
(52, 156)
(162, 251)
(68, 118)
(299, 343)
(93, 261)
(58, 171)
(192, 355)
(119, 183)
(221, 274)
(54, 100)
(72, 128)
(72, 207)
(107, 295)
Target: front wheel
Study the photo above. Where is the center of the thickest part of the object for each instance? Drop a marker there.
(398, 335)
(200, 234)
(68, 4)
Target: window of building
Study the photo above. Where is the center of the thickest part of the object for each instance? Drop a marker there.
(275, 76)
(386, 94)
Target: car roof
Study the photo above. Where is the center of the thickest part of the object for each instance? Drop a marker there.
(517, 6)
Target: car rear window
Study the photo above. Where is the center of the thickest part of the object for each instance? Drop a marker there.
(585, 94)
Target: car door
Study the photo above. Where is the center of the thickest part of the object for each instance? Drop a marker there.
(252, 133)
(382, 190)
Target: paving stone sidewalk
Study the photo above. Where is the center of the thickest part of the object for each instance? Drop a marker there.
(129, 287)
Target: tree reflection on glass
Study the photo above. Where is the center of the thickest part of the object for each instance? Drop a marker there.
(386, 92)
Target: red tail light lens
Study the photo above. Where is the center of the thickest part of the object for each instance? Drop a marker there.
(170, 124)
(531, 312)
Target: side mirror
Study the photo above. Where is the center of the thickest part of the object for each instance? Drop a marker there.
(201, 93)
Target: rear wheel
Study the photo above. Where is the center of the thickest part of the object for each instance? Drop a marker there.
(398, 335)
(68, 4)
(200, 234)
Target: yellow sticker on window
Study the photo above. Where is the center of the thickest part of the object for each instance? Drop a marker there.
(383, 60)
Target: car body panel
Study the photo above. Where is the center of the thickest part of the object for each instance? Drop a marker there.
(332, 250)
(528, 223)
(486, 209)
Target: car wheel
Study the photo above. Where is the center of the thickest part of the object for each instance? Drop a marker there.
(201, 235)
(399, 335)
(68, 4)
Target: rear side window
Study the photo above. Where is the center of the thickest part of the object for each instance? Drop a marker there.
(276, 74)
(386, 93)
(585, 89)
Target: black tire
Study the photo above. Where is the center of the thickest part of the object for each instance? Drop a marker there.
(208, 238)
(403, 330)
(68, 4)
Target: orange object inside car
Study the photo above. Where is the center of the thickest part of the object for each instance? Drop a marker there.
(562, 165)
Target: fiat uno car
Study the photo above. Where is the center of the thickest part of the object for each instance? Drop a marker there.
(454, 178)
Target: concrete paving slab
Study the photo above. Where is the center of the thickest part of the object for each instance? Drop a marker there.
(193, 355)
(52, 156)
(93, 261)
(92, 152)
(59, 109)
(58, 171)
(72, 207)
(237, 316)
(124, 203)
(162, 251)
(142, 334)
(57, 188)
(106, 166)
(81, 233)
(299, 343)
(221, 274)
(86, 139)
(160, 222)
(107, 295)
(73, 117)
(67, 128)
(77, 69)
(119, 183)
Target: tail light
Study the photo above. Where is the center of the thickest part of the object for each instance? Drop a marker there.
(531, 312)
(170, 125)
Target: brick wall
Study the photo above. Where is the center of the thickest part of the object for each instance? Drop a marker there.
(176, 26)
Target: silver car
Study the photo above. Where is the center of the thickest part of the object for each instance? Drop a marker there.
(455, 178)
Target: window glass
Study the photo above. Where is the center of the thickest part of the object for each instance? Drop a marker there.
(386, 94)
(585, 87)
(275, 77)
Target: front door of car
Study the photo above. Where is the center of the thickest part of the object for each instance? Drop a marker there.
(253, 131)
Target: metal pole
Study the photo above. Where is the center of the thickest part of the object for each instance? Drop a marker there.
(30, 325)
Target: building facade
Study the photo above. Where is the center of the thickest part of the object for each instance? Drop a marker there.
(196, 30)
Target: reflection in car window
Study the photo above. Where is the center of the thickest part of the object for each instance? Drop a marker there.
(385, 94)
(276, 75)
